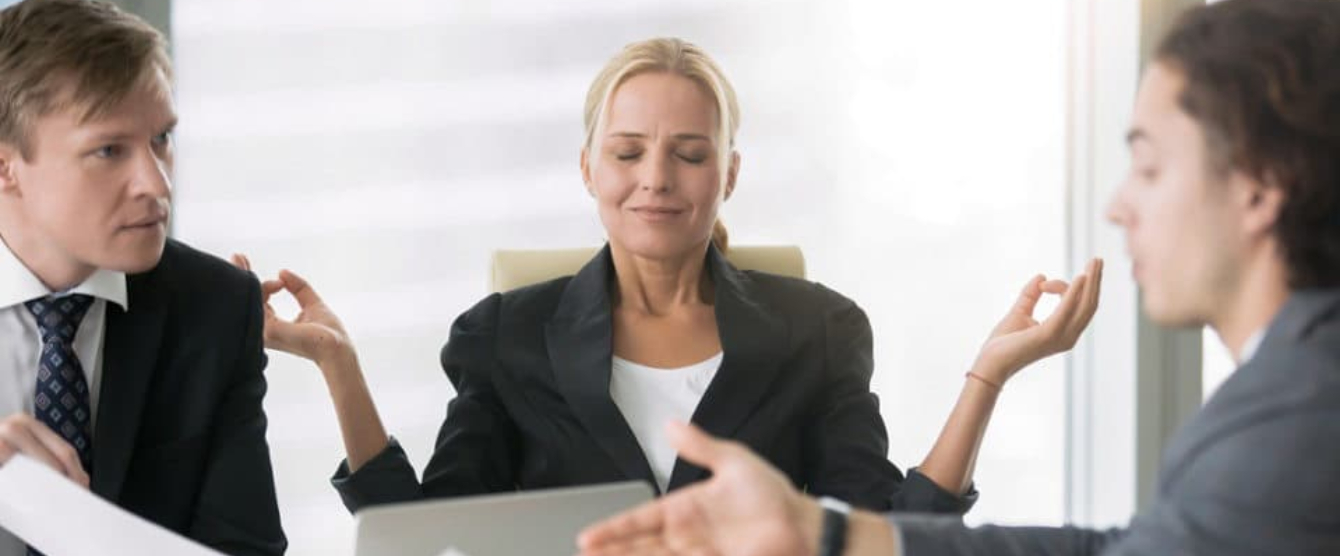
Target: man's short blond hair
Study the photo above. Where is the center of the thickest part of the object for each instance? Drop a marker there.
(56, 54)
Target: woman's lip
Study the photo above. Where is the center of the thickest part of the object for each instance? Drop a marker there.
(657, 214)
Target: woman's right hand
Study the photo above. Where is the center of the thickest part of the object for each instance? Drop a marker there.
(315, 334)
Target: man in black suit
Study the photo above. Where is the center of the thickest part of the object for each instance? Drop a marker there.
(1232, 217)
(130, 363)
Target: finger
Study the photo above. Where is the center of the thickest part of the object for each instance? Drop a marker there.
(648, 545)
(640, 546)
(240, 261)
(1079, 310)
(299, 288)
(642, 521)
(1055, 287)
(698, 447)
(268, 289)
(68, 456)
(271, 287)
(1073, 322)
(6, 452)
(1097, 280)
(20, 437)
(1097, 273)
(270, 316)
(1089, 306)
(1028, 297)
(1055, 325)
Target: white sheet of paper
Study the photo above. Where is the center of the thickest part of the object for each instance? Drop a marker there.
(61, 518)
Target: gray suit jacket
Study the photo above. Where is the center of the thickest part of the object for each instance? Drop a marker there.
(1255, 471)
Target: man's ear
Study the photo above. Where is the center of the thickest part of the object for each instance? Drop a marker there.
(1260, 201)
(9, 158)
(586, 172)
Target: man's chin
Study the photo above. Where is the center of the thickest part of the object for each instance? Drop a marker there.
(1170, 315)
(137, 262)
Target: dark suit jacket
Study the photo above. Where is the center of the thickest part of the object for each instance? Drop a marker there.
(180, 433)
(1255, 472)
(533, 410)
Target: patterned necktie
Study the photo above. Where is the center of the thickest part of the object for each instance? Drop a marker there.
(61, 402)
(62, 398)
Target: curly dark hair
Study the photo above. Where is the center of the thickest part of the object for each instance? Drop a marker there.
(1263, 81)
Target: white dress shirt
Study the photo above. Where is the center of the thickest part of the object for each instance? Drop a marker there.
(650, 398)
(21, 343)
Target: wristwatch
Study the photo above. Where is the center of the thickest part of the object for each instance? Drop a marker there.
(833, 539)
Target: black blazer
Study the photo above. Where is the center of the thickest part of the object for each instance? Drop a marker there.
(180, 433)
(532, 368)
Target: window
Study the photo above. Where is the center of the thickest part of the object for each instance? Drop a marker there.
(914, 150)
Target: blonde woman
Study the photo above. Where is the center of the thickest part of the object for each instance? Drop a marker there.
(572, 381)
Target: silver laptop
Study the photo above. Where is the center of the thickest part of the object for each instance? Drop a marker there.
(533, 523)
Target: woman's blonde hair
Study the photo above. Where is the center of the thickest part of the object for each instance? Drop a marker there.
(669, 55)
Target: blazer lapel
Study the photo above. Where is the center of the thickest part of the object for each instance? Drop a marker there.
(130, 352)
(579, 341)
(1305, 310)
(752, 343)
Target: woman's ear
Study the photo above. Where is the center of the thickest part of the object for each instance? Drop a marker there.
(586, 172)
(732, 173)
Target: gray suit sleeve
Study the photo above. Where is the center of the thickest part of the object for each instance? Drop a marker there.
(1261, 488)
(924, 535)
(1256, 488)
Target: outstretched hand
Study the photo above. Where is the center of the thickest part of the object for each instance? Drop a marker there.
(747, 508)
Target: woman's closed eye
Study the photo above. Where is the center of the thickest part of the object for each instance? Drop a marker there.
(692, 157)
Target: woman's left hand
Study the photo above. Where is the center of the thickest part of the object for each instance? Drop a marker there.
(1020, 340)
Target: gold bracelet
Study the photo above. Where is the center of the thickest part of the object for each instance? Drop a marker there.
(984, 380)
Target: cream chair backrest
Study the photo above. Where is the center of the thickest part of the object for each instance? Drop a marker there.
(515, 268)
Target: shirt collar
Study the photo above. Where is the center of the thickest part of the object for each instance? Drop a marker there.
(18, 284)
(1250, 346)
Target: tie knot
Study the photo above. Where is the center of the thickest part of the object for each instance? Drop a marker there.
(59, 317)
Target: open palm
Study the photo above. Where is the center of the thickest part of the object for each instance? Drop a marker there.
(747, 508)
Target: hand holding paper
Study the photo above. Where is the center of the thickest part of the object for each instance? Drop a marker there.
(39, 505)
